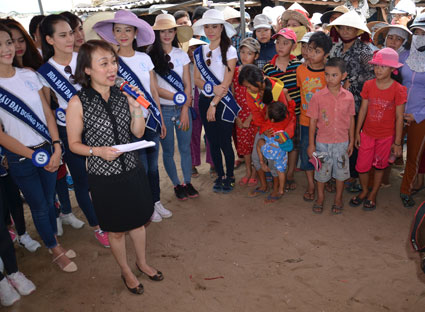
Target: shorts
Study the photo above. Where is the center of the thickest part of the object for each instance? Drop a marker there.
(256, 159)
(373, 152)
(279, 156)
(304, 159)
(336, 164)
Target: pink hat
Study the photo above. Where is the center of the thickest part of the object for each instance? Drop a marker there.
(386, 57)
(287, 33)
(145, 34)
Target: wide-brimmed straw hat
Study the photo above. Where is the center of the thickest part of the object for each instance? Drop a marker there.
(145, 35)
(382, 33)
(212, 16)
(167, 21)
(386, 57)
(328, 14)
(351, 19)
(89, 32)
(295, 15)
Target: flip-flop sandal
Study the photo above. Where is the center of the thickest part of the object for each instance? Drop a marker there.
(243, 181)
(337, 209)
(369, 205)
(257, 192)
(252, 182)
(317, 209)
(271, 199)
(309, 197)
(291, 185)
(356, 201)
(407, 200)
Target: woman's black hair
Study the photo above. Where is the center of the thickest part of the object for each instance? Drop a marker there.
(31, 57)
(198, 12)
(254, 35)
(158, 56)
(47, 28)
(254, 76)
(74, 20)
(34, 23)
(225, 43)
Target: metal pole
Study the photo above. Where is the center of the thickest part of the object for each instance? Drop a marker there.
(40, 5)
(243, 26)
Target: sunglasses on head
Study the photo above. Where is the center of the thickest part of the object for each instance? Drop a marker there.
(168, 59)
(209, 54)
(68, 70)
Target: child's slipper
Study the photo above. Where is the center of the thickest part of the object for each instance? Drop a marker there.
(252, 182)
(356, 201)
(308, 197)
(337, 209)
(243, 181)
(317, 209)
(257, 192)
(271, 199)
(369, 205)
(291, 185)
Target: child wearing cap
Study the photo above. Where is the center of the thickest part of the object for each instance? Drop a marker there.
(283, 66)
(380, 120)
(263, 32)
(331, 112)
(310, 79)
(245, 129)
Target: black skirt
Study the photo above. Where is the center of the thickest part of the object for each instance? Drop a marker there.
(122, 202)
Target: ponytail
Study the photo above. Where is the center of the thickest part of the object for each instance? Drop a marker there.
(268, 95)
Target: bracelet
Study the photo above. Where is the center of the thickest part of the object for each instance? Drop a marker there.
(91, 151)
(213, 104)
(397, 144)
(57, 142)
(136, 116)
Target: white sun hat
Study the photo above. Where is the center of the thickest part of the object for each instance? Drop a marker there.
(315, 19)
(273, 13)
(262, 21)
(230, 12)
(403, 7)
(212, 16)
(351, 19)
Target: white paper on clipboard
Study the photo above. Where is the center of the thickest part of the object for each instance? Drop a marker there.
(134, 146)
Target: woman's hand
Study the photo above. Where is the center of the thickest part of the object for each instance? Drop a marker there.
(55, 160)
(184, 119)
(220, 90)
(133, 103)
(239, 123)
(108, 153)
(163, 129)
(211, 113)
(396, 150)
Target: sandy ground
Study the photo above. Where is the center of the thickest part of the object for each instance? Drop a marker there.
(227, 252)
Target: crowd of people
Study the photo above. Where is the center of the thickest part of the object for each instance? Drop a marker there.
(332, 95)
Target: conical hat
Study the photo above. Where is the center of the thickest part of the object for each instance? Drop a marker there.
(351, 19)
(297, 7)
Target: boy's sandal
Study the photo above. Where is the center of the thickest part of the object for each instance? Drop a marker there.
(356, 201)
(290, 185)
(317, 209)
(330, 186)
(407, 200)
(337, 209)
(369, 205)
(308, 197)
(271, 199)
(252, 182)
(243, 181)
(257, 192)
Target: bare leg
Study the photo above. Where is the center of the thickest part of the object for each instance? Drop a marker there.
(309, 194)
(138, 236)
(379, 173)
(364, 181)
(248, 167)
(339, 191)
(282, 180)
(117, 241)
(320, 193)
(292, 164)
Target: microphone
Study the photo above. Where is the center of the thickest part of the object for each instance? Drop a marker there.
(124, 86)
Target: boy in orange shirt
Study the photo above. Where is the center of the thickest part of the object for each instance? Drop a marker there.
(310, 79)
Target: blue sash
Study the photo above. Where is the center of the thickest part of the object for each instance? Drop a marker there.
(154, 118)
(17, 108)
(57, 81)
(232, 108)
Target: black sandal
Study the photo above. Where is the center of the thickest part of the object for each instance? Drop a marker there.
(317, 209)
(407, 200)
(337, 209)
(356, 201)
(369, 205)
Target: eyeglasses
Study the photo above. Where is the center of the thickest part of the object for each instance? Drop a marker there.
(209, 54)
(68, 70)
(170, 64)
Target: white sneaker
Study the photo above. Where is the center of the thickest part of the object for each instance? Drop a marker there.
(8, 294)
(59, 226)
(27, 242)
(164, 213)
(23, 285)
(72, 220)
(156, 217)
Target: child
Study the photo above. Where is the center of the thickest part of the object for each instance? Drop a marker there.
(310, 79)
(269, 147)
(381, 121)
(331, 111)
(245, 130)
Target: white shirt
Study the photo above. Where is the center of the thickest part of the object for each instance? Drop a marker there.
(63, 103)
(24, 85)
(217, 67)
(179, 58)
(141, 64)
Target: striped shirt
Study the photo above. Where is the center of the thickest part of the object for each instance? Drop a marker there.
(289, 78)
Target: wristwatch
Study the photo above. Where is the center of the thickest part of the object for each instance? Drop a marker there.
(91, 151)
(213, 104)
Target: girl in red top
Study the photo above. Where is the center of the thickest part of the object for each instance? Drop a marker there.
(262, 90)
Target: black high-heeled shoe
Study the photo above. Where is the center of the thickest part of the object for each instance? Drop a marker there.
(157, 277)
(136, 290)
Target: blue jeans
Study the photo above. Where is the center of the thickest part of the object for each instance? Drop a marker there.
(149, 159)
(63, 194)
(77, 168)
(183, 139)
(38, 187)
